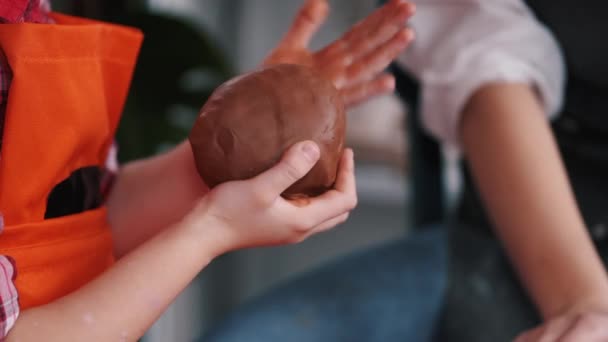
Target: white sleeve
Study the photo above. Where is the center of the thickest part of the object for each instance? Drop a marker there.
(463, 44)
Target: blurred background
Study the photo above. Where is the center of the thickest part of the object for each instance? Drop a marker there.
(190, 47)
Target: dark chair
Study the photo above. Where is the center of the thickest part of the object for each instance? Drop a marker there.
(425, 158)
(427, 203)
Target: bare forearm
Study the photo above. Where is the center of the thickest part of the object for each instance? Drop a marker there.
(122, 303)
(516, 164)
(152, 194)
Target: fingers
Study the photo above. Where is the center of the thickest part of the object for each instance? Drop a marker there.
(295, 164)
(345, 180)
(307, 22)
(332, 223)
(385, 83)
(587, 327)
(547, 332)
(354, 62)
(366, 38)
(334, 202)
(368, 67)
(371, 32)
(325, 226)
(530, 336)
(387, 28)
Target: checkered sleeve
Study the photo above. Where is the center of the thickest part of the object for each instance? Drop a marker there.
(9, 299)
(9, 303)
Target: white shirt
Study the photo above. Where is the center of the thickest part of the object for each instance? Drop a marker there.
(463, 44)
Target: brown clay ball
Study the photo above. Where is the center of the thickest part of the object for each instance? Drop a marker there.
(248, 123)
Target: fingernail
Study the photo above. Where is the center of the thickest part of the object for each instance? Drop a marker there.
(311, 151)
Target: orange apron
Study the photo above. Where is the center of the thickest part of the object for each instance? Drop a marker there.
(69, 86)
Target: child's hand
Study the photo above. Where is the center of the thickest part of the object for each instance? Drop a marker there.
(251, 213)
(588, 326)
(356, 61)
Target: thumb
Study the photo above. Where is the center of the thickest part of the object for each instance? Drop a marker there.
(295, 164)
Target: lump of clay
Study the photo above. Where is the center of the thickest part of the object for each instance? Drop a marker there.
(249, 122)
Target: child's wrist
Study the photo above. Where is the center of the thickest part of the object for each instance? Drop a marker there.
(208, 232)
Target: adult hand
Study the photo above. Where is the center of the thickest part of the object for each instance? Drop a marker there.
(588, 327)
(355, 63)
